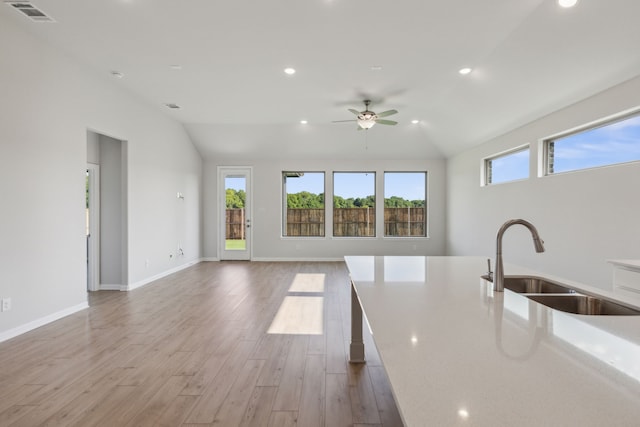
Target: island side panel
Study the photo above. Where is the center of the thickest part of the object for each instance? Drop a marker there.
(356, 348)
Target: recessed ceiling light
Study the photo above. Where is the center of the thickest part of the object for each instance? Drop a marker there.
(303, 122)
(567, 3)
(415, 122)
(117, 74)
(465, 71)
(175, 66)
(290, 70)
(376, 67)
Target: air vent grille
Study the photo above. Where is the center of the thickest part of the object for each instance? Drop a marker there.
(30, 11)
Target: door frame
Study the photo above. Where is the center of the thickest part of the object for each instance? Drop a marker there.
(93, 245)
(224, 171)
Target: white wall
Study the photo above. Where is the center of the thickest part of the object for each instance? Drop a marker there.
(111, 209)
(266, 225)
(584, 217)
(48, 103)
(93, 148)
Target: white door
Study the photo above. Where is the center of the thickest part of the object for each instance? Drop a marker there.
(235, 213)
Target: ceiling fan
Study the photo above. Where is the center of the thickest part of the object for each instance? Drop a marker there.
(366, 119)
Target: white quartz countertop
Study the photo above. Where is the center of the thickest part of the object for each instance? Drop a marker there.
(457, 353)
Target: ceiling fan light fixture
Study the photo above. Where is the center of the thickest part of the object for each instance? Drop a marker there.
(567, 3)
(366, 123)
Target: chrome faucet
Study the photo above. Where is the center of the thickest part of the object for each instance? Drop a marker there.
(498, 275)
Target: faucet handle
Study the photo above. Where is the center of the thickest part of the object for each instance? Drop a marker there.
(489, 275)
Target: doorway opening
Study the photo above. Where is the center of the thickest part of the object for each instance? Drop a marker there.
(106, 207)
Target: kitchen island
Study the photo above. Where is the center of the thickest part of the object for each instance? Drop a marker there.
(456, 353)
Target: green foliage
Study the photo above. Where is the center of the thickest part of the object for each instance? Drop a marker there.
(235, 198)
(399, 202)
(305, 200)
(358, 202)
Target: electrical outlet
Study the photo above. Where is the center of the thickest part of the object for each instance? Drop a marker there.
(6, 304)
(146, 263)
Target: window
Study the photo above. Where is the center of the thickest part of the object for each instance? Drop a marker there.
(303, 212)
(404, 204)
(510, 166)
(354, 204)
(607, 143)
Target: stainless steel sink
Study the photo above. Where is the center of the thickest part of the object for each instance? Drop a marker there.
(535, 285)
(583, 304)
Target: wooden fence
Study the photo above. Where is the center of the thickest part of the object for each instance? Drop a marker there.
(346, 222)
(305, 222)
(354, 222)
(235, 227)
(404, 222)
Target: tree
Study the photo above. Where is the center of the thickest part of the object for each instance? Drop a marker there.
(235, 199)
(305, 200)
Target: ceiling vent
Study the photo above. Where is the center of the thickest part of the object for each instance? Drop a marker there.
(173, 106)
(30, 11)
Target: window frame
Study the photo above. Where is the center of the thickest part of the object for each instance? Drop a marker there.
(426, 204)
(284, 204)
(486, 172)
(333, 207)
(544, 144)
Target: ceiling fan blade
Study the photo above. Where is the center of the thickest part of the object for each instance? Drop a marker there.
(387, 113)
(386, 122)
(340, 121)
(356, 112)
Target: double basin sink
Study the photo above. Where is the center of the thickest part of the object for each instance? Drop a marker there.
(563, 298)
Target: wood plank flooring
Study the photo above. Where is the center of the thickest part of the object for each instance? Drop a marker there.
(219, 343)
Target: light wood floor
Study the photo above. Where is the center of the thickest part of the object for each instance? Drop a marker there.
(224, 343)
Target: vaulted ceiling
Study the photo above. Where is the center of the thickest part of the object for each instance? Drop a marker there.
(223, 62)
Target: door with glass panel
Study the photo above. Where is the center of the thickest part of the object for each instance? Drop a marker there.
(235, 213)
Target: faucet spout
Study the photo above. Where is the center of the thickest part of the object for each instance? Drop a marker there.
(538, 243)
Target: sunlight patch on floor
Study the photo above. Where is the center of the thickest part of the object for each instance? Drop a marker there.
(299, 315)
(308, 282)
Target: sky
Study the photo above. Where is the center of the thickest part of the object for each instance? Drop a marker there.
(615, 143)
(410, 186)
(235, 183)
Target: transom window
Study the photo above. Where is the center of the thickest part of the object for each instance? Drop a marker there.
(510, 166)
(607, 143)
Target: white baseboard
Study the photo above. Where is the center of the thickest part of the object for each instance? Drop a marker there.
(148, 280)
(110, 287)
(266, 259)
(11, 333)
